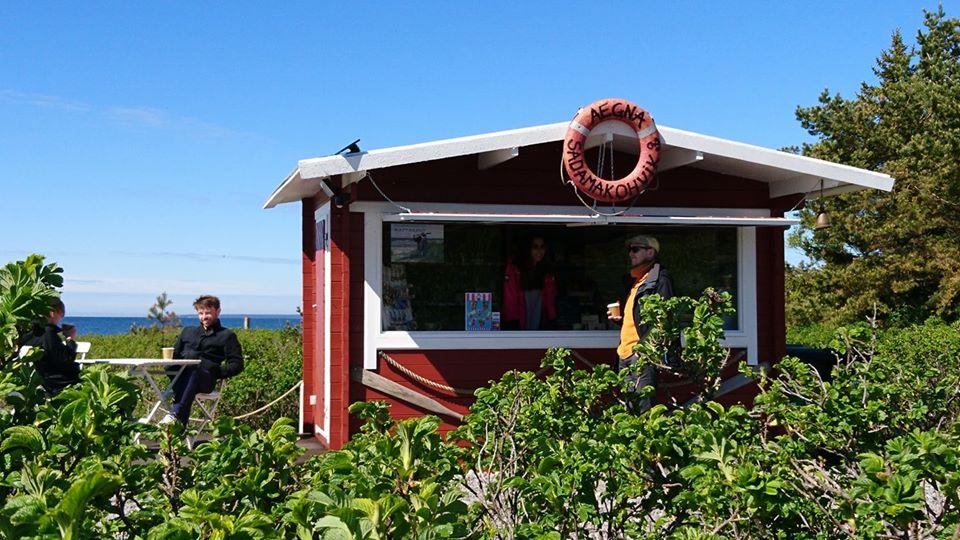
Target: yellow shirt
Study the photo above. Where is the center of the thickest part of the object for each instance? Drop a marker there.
(628, 332)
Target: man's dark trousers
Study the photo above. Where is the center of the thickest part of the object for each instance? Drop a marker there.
(194, 380)
(636, 382)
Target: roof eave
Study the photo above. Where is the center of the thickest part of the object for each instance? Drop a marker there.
(304, 181)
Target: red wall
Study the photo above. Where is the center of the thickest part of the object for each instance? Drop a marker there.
(468, 369)
(307, 258)
(532, 178)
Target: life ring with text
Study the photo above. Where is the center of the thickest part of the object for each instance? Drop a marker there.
(587, 181)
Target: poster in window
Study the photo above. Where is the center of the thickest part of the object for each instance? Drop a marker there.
(397, 308)
(478, 311)
(416, 243)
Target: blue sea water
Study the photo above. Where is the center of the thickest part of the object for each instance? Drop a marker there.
(121, 325)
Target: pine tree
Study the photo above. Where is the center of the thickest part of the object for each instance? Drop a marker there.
(898, 251)
(164, 319)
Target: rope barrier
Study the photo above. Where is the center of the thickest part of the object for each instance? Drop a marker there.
(423, 380)
(268, 405)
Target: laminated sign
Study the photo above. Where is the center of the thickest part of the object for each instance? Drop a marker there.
(478, 311)
(416, 243)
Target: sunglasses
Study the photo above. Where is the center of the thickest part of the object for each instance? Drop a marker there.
(636, 249)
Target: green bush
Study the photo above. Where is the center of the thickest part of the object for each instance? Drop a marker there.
(273, 362)
(811, 335)
(872, 453)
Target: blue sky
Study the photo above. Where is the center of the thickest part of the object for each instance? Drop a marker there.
(138, 140)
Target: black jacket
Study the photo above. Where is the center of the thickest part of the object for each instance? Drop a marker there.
(217, 348)
(656, 282)
(58, 366)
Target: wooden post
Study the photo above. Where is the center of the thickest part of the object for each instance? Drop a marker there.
(246, 322)
(397, 390)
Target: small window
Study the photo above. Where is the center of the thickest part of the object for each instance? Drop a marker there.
(491, 277)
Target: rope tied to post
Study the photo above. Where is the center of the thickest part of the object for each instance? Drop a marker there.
(271, 404)
(423, 380)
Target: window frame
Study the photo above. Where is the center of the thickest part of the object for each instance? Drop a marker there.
(376, 214)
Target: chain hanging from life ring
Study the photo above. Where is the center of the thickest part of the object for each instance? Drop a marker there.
(609, 188)
(593, 207)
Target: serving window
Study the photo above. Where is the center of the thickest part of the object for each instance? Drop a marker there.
(446, 277)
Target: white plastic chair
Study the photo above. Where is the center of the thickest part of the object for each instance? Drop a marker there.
(207, 405)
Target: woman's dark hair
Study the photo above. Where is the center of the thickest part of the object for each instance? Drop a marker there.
(532, 274)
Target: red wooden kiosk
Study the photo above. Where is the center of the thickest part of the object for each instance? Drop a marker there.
(395, 239)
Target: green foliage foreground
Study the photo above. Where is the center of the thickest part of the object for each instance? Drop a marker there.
(873, 453)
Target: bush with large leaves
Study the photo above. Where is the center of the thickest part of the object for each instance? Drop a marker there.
(874, 452)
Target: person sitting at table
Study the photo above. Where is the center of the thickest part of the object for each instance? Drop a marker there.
(529, 290)
(218, 350)
(57, 366)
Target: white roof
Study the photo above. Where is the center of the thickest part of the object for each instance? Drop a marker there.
(786, 173)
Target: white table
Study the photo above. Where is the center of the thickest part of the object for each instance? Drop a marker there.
(149, 369)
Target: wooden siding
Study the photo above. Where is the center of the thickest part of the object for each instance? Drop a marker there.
(308, 260)
(533, 178)
(344, 239)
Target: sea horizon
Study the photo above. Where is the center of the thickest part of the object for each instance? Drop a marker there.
(108, 325)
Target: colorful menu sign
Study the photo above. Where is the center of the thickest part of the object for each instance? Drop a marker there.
(478, 311)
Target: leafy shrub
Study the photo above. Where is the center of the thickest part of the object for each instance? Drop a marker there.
(872, 453)
(812, 335)
(393, 480)
(26, 288)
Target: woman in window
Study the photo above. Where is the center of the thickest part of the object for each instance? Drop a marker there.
(529, 290)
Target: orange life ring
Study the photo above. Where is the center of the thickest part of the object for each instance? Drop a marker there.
(586, 180)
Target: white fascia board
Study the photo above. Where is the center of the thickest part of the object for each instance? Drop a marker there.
(512, 213)
(429, 151)
(275, 197)
(775, 158)
(808, 186)
(384, 207)
(595, 219)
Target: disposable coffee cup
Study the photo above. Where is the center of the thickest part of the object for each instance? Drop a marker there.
(614, 309)
(167, 353)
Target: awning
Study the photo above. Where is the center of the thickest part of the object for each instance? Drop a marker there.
(595, 219)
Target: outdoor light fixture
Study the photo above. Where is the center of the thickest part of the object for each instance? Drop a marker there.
(823, 218)
(341, 198)
(337, 196)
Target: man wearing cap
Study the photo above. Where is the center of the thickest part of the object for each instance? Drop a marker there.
(649, 278)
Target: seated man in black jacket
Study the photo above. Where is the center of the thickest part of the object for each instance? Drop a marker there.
(218, 350)
(58, 366)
